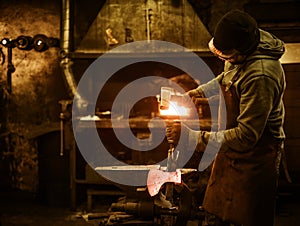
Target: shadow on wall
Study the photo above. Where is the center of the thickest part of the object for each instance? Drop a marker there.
(36, 87)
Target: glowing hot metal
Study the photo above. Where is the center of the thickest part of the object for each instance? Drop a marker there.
(156, 178)
(175, 110)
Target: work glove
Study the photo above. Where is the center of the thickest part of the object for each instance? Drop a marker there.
(189, 138)
(173, 131)
(197, 96)
(195, 93)
(205, 142)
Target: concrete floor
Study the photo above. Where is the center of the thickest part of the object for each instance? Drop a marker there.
(23, 209)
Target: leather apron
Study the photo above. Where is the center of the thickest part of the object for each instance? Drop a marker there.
(242, 185)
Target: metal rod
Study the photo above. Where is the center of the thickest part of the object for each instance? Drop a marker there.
(148, 24)
(61, 134)
(10, 68)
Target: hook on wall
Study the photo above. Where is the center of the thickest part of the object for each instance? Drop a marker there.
(38, 42)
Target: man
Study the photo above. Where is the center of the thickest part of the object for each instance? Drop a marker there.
(242, 185)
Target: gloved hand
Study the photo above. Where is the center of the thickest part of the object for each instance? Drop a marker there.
(195, 93)
(173, 131)
(197, 96)
(189, 138)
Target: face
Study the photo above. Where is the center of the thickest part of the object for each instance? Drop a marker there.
(235, 59)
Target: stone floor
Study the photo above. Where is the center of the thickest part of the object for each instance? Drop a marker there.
(23, 209)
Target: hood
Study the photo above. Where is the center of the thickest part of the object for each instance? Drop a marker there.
(120, 22)
(269, 46)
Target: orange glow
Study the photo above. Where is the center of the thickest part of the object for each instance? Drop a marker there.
(175, 110)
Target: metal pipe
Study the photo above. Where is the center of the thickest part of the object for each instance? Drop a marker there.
(66, 27)
(66, 63)
(67, 45)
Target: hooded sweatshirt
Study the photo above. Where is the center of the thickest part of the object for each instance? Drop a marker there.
(260, 87)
